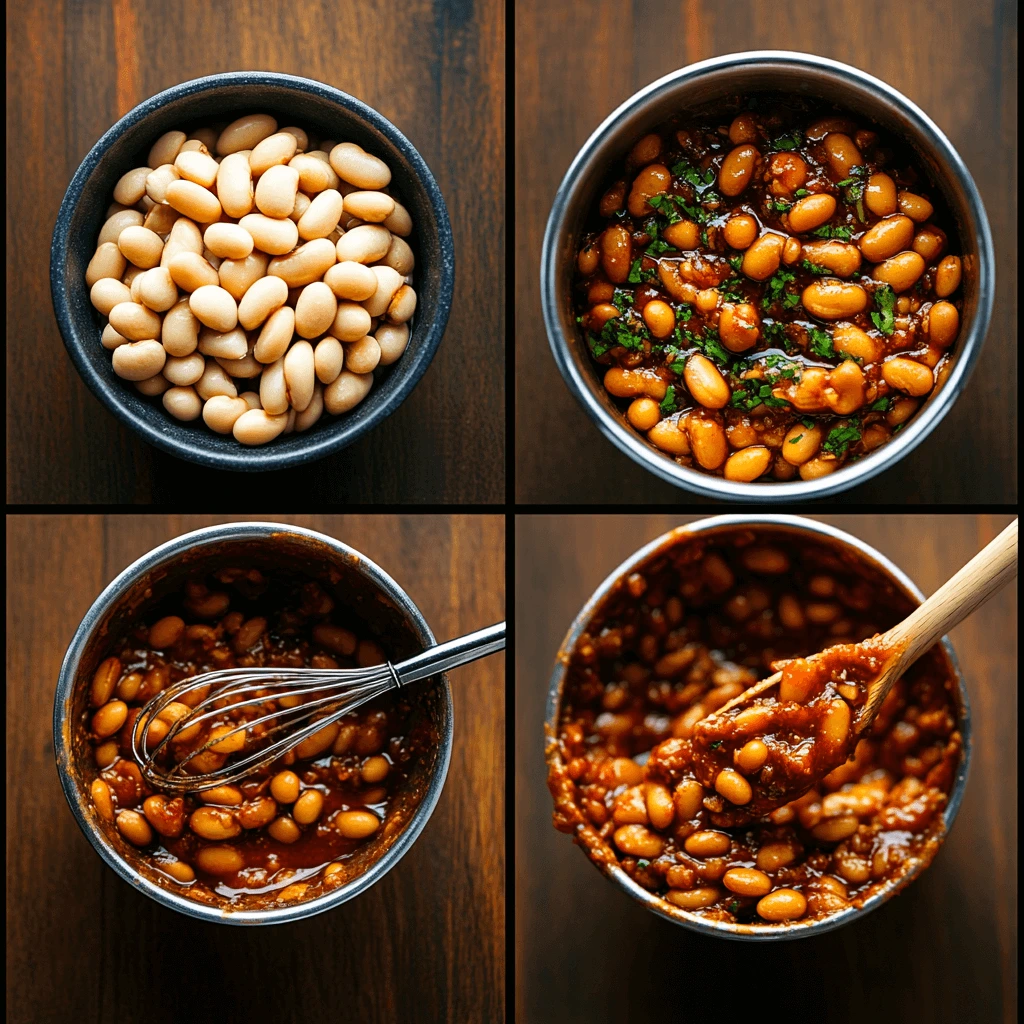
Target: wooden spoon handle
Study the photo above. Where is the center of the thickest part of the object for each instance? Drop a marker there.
(974, 584)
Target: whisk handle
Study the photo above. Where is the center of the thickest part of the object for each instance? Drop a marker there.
(451, 653)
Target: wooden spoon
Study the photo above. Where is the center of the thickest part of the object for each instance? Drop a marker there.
(898, 648)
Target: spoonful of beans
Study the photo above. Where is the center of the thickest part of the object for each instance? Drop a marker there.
(781, 737)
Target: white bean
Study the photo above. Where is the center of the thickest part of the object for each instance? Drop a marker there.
(221, 412)
(183, 403)
(347, 391)
(258, 427)
(139, 360)
(214, 307)
(353, 164)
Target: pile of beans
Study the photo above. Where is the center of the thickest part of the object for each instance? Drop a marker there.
(254, 276)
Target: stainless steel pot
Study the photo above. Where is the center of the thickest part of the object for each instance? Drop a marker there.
(357, 584)
(766, 932)
(703, 83)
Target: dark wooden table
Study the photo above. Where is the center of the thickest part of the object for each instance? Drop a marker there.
(944, 950)
(435, 70)
(426, 943)
(576, 64)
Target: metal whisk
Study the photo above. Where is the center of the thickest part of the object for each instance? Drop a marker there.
(334, 691)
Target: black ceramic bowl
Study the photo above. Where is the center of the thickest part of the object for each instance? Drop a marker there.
(299, 101)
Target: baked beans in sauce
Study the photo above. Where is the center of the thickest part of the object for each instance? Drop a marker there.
(772, 289)
(702, 620)
(290, 832)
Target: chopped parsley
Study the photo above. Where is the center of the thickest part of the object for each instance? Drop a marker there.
(852, 189)
(882, 405)
(885, 300)
(675, 358)
(668, 206)
(821, 344)
(668, 403)
(784, 143)
(775, 290)
(840, 232)
(813, 268)
(840, 438)
(622, 299)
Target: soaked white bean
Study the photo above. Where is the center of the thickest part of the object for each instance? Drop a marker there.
(110, 339)
(393, 340)
(315, 310)
(157, 290)
(272, 235)
(134, 321)
(353, 164)
(183, 403)
(214, 307)
(215, 381)
(366, 243)
(228, 241)
(230, 344)
(139, 359)
(351, 281)
(158, 180)
(153, 386)
(275, 149)
(184, 370)
(237, 276)
(299, 375)
(273, 390)
(276, 191)
(140, 246)
(347, 391)
(107, 293)
(351, 322)
(180, 331)
(329, 359)
(362, 356)
(257, 426)
(321, 215)
(221, 412)
(374, 207)
(305, 419)
(194, 201)
(389, 281)
(308, 263)
(234, 185)
(116, 223)
(276, 335)
(165, 149)
(262, 298)
(245, 133)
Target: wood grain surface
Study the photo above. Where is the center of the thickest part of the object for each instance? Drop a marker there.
(426, 943)
(575, 64)
(435, 69)
(944, 950)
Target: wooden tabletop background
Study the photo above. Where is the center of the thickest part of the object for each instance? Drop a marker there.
(575, 64)
(944, 950)
(436, 70)
(426, 943)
